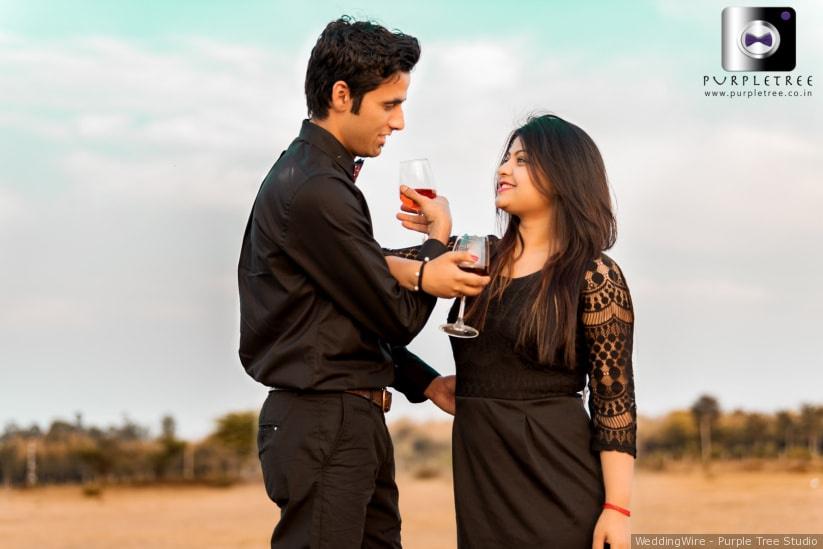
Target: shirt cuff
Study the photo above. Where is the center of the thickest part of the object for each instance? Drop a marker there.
(412, 376)
(431, 248)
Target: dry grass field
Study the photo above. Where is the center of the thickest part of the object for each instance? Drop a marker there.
(241, 516)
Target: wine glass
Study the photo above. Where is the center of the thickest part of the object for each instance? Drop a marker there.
(417, 174)
(479, 247)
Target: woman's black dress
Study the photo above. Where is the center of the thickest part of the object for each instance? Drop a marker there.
(525, 453)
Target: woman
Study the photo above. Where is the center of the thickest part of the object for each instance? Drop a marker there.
(531, 469)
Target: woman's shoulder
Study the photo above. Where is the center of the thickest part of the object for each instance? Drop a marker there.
(602, 271)
(605, 291)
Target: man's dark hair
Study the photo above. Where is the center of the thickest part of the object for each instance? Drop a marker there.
(360, 53)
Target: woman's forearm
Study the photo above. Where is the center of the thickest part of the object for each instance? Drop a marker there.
(618, 473)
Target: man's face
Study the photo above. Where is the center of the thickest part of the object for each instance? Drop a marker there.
(381, 113)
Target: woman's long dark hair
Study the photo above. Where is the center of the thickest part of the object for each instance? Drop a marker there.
(566, 167)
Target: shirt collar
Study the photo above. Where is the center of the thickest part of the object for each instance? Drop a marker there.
(326, 142)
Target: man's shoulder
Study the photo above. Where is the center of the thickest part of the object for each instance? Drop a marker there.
(296, 171)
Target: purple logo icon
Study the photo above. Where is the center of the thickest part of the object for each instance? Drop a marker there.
(759, 38)
(750, 39)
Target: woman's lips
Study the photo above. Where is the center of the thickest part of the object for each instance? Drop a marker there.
(503, 187)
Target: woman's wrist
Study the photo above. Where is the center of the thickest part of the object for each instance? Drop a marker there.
(619, 508)
(438, 218)
(440, 231)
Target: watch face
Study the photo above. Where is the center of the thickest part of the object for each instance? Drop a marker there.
(759, 39)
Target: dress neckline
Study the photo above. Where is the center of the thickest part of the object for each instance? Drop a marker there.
(523, 277)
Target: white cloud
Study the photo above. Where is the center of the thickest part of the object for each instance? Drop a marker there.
(717, 291)
(105, 79)
(46, 312)
(190, 127)
(12, 206)
(480, 65)
(162, 181)
(102, 125)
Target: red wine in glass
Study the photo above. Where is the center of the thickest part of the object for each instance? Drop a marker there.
(481, 271)
(411, 205)
(417, 174)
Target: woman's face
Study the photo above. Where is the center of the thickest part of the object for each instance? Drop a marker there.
(516, 193)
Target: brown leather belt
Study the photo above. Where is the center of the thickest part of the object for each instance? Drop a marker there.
(379, 397)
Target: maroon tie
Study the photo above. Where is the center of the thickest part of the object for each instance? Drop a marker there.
(357, 165)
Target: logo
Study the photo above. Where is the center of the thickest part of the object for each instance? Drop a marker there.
(758, 39)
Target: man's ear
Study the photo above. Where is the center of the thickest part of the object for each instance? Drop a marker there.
(340, 97)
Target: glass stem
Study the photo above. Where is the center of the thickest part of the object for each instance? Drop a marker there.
(459, 324)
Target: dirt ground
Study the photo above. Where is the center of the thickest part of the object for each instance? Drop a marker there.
(242, 516)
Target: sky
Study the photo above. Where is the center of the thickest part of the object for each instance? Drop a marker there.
(134, 136)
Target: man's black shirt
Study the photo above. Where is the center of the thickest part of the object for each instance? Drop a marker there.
(319, 309)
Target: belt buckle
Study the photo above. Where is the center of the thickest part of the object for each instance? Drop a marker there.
(385, 400)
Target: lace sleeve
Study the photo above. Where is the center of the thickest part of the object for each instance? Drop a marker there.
(408, 253)
(414, 251)
(608, 326)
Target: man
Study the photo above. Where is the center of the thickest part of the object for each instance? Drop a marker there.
(320, 309)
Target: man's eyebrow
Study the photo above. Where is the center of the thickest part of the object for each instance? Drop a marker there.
(395, 101)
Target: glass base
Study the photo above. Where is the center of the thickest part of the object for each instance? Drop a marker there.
(454, 330)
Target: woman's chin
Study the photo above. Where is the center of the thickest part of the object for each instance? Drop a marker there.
(502, 202)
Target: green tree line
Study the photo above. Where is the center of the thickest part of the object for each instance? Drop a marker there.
(71, 452)
(705, 432)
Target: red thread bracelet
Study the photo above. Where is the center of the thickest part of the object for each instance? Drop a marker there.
(617, 508)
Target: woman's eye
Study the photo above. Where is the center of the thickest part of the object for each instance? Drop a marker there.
(522, 160)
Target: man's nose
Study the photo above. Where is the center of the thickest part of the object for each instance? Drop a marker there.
(397, 122)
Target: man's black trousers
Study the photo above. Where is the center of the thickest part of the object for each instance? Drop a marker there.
(328, 463)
